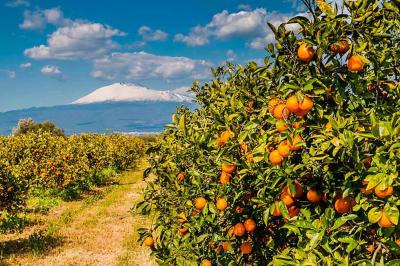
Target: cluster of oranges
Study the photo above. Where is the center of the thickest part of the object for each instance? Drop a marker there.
(281, 111)
(355, 63)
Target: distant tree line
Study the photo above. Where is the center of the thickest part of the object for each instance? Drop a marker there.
(27, 125)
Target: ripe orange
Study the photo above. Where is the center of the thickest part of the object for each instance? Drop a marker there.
(221, 204)
(206, 262)
(383, 193)
(314, 196)
(293, 211)
(306, 104)
(246, 248)
(225, 135)
(182, 231)
(277, 212)
(305, 52)
(228, 168)
(355, 63)
(292, 104)
(384, 221)
(281, 112)
(281, 126)
(397, 241)
(272, 104)
(370, 248)
(298, 190)
(220, 142)
(181, 176)
(293, 144)
(287, 199)
(225, 178)
(364, 189)
(239, 229)
(200, 202)
(301, 113)
(149, 241)
(284, 149)
(275, 157)
(344, 205)
(182, 217)
(297, 125)
(250, 225)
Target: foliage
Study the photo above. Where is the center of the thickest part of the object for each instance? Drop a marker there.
(344, 66)
(28, 125)
(40, 160)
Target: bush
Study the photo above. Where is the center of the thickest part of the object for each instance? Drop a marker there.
(28, 125)
(290, 163)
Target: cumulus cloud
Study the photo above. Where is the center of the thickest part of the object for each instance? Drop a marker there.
(52, 71)
(17, 3)
(38, 20)
(247, 24)
(148, 34)
(25, 65)
(145, 66)
(79, 40)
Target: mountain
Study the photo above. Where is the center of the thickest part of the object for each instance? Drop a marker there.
(130, 117)
(126, 92)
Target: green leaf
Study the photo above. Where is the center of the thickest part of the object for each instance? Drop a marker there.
(374, 215)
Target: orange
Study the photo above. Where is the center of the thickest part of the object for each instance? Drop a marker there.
(306, 104)
(225, 178)
(293, 211)
(296, 125)
(225, 135)
(239, 209)
(370, 248)
(301, 113)
(275, 157)
(383, 193)
(281, 126)
(365, 191)
(206, 262)
(293, 144)
(355, 63)
(182, 231)
(272, 104)
(250, 225)
(314, 196)
(344, 205)
(298, 190)
(292, 104)
(340, 47)
(305, 52)
(384, 221)
(221, 204)
(200, 202)
(181, 176)
(239, 229)
(284, 149)
(220, 142)
(277, 212)
(228, 168)
(182, 217)
(397, 241)
(246, 248)
(244, 148)
(226, 245)
(149, 241)
(287, 199)
(281, 112)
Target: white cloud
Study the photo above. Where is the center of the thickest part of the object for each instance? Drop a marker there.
(79, 40)
(248, 24)
(148, 34)
(16, 3)
(244, 7)
(25, 65)
(231, 55)
(9, 73)
(38, 20)
(144, 66)
(52, 71)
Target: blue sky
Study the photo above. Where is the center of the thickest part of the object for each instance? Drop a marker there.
(53, 52)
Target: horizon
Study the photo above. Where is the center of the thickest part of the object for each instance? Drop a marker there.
(55, 53)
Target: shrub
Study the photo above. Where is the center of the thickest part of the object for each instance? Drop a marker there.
(28, 125)
(311, 141)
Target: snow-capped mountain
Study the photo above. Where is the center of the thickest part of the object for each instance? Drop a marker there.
(126, 92)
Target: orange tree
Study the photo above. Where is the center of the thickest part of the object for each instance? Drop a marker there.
(293, 162)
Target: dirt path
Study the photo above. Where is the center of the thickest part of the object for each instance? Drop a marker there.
(95, 231)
